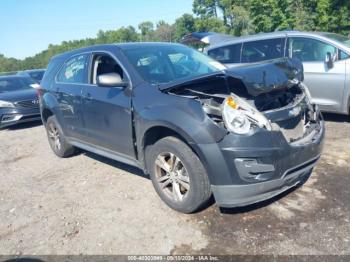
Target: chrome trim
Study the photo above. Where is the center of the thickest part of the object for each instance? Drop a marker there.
(14, 119)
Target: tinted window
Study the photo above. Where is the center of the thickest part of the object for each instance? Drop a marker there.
(74, 70)
(37, 75)
(310, 50)
(15, 83)
(261, 50)
(227, 54)
(164, 63)
(343, 55)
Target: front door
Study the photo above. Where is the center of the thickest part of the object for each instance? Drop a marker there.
(326, 84)
(107, 116)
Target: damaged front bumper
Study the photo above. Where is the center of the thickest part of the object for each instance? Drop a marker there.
(247, 169)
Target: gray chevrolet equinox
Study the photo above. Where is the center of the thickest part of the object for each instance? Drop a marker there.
(198, 128)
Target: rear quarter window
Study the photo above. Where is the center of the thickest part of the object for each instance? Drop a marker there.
(343, 55)
(227, 54)
(260, 50)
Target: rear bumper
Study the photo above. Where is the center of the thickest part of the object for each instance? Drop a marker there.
(13, 116)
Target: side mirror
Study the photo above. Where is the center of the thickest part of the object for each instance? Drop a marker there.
(330, 59)
(111, 80)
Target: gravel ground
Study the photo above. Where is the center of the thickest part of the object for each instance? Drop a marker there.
(91, 205)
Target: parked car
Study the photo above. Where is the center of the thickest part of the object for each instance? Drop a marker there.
(35, 74)
(195, 126)
(18, 100)
(325, 57)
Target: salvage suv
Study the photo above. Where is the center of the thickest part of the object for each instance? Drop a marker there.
(244, 134)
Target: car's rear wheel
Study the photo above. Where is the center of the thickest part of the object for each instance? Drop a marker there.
(178, 175)
(57, 141)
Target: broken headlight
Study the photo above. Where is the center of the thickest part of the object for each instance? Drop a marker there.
(239, 116)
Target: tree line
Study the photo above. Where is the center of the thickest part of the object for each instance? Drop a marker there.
(235, 17)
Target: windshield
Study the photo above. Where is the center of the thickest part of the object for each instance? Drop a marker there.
(339, 38)
(9, 84)
(165, 64)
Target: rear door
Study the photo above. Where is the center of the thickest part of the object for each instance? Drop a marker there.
(261, 50)
(228, 54)
(326, 84)
(68, 86)
(106, 111)
(249, 52)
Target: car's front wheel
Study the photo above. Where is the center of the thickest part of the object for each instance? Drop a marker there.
(178, 175)
(57, 141)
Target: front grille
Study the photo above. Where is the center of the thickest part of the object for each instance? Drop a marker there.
(34, 103)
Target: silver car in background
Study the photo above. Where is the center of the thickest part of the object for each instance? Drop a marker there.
(325, 56)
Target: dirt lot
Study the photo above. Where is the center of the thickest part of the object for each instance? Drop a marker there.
(91, 205)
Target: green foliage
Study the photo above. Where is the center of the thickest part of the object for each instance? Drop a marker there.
(164, 32)
(184, 25)
(236, 17)
(146, 29)
(206, 8)
(210, 24)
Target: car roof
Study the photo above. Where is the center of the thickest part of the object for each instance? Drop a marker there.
(121, 46)
(34, 70)
(277, 34)
(135, 45)
(2, 77)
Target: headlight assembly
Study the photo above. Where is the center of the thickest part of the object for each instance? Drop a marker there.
(5, 104)
(239, 116)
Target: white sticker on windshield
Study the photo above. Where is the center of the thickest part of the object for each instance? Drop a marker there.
(217, 65)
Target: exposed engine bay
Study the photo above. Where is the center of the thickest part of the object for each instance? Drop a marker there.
(277, 101)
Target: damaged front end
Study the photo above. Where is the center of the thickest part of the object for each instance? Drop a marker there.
(268, 95)
(274, 134)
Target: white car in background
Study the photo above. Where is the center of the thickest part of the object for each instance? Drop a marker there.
(325, 57)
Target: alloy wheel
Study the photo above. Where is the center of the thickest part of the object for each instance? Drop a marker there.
(54, 136)
(172, 176)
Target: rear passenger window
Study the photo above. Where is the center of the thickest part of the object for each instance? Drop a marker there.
(75, 70)
(227, 54)
(261, 50)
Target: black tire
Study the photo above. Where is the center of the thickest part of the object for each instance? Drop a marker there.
(55, 136)
(198, 193)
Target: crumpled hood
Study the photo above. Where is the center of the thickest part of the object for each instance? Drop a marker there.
(255, 79)
(268, 76)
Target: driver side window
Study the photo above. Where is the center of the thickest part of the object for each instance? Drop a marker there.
(310, 50)
(104, 64)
